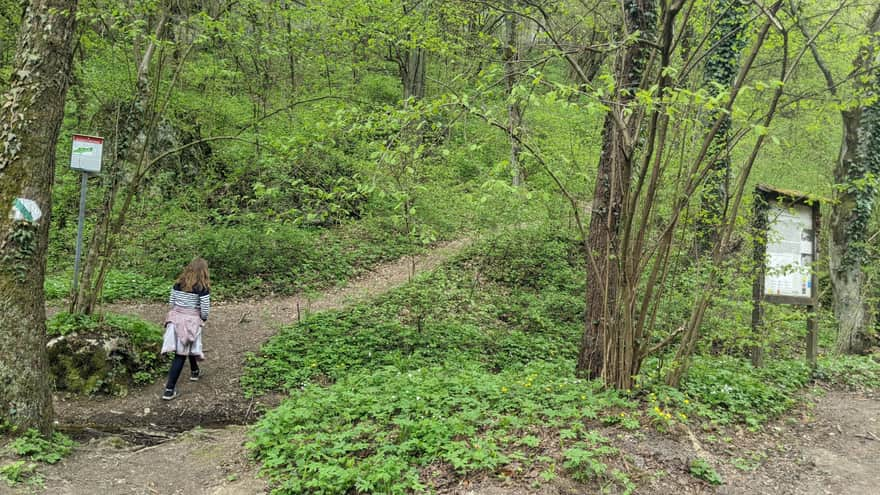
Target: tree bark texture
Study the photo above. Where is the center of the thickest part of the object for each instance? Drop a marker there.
(852, 209)
(612, 183)
(30, 119)
(412, 73)
(855, 197)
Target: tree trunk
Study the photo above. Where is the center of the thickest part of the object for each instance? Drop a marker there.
(131, 142)
(514, 110)
(721, 68)
(30, 120)
(612, 184)
(850, 214)
(412, 73)
(855, 196)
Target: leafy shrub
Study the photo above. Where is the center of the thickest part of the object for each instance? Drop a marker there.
(583, 460)
(529, 257)
(128, 286)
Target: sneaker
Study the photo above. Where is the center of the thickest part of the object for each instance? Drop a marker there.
(195, 375)
(169, 394)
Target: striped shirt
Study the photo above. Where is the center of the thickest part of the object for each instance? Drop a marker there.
(199, 299)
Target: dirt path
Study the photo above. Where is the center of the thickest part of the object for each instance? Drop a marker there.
(831, 449)
(137, 447)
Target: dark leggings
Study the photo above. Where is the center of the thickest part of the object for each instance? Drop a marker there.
(177, 367)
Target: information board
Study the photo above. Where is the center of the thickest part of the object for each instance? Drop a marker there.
(789, 251)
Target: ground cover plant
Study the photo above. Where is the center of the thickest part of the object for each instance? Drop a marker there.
(470, 370)
(21, 456)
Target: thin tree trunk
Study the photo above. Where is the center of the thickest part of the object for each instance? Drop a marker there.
(131, 143)
(413, 74)
(30, 120)
(514, 110)
(612, 181)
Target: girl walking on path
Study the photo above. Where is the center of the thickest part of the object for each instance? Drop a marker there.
(190, 302)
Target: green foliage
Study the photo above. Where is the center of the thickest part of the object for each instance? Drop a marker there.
(700, 468)
(35, 447)
(372, 430)
(583, 462)
(20, 471)
(439, 316)
(436, 371)
(121, 285)
(140, 332)
(65, 323)
(460, 367)
(535, 258)
(727, 389)
(857, 372)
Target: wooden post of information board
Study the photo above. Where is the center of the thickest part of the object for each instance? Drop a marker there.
(759, 237)
(812, 322)
(786, 233)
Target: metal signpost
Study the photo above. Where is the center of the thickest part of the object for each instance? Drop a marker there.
(85, 157)
(786, 246)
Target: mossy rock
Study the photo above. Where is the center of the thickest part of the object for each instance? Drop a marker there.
(98, 363)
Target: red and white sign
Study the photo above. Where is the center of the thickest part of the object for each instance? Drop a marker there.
(86, 153)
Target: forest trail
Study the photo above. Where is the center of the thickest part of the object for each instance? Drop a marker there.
(138, 447)
(195, 444)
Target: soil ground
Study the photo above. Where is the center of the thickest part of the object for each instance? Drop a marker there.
(193, 445)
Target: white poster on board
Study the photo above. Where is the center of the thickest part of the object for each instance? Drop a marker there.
(789, 251)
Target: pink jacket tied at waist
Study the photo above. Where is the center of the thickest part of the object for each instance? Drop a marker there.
(187, 323)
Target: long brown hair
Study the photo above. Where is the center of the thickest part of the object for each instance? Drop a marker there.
(195, 276)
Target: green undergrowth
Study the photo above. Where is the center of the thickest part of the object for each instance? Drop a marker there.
(26, 452)
(373, 431)
(440, 316)
(853, 372)
(104, 353)
(470, 368)
(729, 390)
(252, 254)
